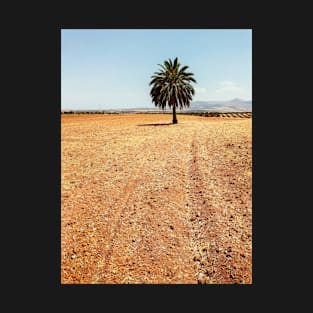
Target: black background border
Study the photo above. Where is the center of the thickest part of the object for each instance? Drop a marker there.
(35, 46)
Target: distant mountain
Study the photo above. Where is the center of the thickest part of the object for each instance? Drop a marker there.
(234, 105)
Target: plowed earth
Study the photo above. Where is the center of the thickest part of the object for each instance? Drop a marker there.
(144, 201)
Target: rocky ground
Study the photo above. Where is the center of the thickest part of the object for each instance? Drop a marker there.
(144, 201)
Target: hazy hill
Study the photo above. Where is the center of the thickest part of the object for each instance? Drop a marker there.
(235, 105)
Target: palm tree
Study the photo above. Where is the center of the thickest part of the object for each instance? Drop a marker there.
(172, 86)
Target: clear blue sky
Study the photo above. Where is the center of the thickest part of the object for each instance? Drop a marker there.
(112, 68)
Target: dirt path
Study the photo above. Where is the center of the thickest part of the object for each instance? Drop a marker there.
(149, 204)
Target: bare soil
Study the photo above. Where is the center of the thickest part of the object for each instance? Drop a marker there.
(144, 201)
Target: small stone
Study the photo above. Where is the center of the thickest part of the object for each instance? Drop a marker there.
(202, 279)
(197, 257)
(204, 262)
(204, 248)
(209, 272)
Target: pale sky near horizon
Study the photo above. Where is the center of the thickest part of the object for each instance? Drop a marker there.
(112, 68)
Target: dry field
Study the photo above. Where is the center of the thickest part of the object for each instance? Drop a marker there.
(156, 204)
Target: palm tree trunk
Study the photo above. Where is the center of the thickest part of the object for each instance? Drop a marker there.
(174, 114)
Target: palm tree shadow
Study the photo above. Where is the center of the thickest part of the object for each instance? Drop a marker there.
(156, 124)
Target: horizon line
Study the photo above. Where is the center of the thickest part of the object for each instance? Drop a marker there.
(149, 105)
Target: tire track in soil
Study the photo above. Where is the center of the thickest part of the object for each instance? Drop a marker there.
(218, 259)
(202, 217)
(198, 211)
(122, 204)
(116, 220)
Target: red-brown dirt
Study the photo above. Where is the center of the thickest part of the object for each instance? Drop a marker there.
(145, 203)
